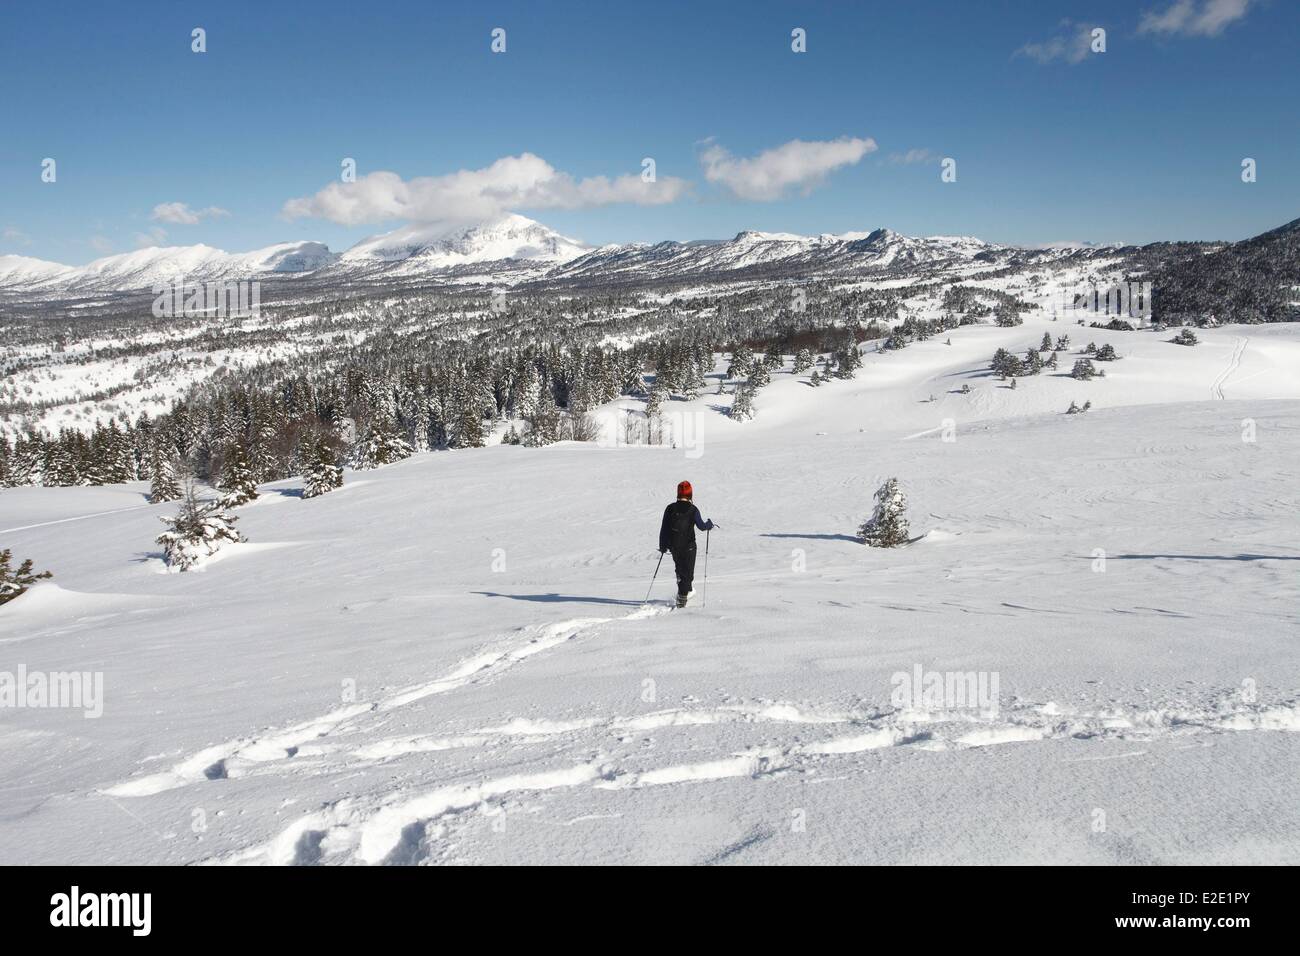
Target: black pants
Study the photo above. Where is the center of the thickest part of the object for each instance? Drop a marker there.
(684, 561)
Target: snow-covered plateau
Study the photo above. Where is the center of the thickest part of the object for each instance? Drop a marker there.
(451, 659)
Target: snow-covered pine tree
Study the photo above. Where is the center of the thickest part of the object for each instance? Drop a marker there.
(887, 527)
(163, 486)
(198, 530)
(742, 360)
(544, 425)
(526, 386)
(322, 472)
(238, 482)
(655, 400)
(382, 444)
(742, 405)
(15, 582)
(1083, 370)
(849, 358)
(803, 360)
(1185, 337)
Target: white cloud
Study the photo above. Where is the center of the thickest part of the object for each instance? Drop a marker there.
(180, 214)
(154, 237)
(1073, 46)
(511, 183)
(1204, 18)
(14, 234)
(771, 173)
(101, 245)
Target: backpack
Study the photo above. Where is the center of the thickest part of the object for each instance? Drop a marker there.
(681, 524)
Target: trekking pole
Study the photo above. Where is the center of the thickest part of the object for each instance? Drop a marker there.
(705, 600)
(655, 575)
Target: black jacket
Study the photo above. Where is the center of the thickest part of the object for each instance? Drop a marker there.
(677, 532)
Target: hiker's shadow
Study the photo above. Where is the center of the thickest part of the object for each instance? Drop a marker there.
(554, 598)
(813, 537)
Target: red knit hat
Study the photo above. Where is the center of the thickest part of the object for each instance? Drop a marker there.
(684, 489)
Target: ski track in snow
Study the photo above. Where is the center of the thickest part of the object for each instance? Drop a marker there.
(96, 514)
(213, 763)
(399, 827)
(1234, 363)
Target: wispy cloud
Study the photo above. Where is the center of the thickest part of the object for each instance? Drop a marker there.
(180, 214)
(1072, 46)
(16, 235)
(913, 157)
(525, 181)
(793, 165)
(152, 237)
(1198, 18)
(101, 244)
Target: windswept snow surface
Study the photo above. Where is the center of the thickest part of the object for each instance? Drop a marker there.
(449, 660)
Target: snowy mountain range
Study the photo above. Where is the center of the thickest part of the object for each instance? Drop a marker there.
(412, 250)
(750, 251)
(511, 246)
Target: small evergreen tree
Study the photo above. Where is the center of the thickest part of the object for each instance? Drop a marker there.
(322, 473)
(13, 583)
(742, 405)
(163, 486)
(848, 356)
(545, 421)
(198, 530)
(1083, 370)
(382, 446)
(742, 361)
(1185, 337)
(238, 481)
(803, 360)
(887, 527)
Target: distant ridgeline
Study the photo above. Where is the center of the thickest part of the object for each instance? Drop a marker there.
(1255, 280)
(378, 375)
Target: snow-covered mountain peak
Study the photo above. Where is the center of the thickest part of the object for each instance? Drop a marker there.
(442, 245)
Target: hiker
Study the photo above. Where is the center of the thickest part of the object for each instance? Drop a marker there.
(677, 534)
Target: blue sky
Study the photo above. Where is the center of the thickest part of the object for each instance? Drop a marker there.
(1052, 142)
